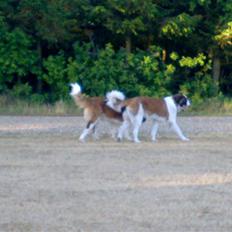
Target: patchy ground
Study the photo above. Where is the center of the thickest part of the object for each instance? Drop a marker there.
(51, 182)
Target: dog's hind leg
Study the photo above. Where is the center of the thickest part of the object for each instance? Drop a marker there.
(94, 133)
(137, 121)
(154, 130)
(137, 125)
(90, 127)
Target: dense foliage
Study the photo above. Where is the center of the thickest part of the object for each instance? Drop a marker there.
(142, 47)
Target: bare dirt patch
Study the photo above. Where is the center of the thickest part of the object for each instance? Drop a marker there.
(51, 182)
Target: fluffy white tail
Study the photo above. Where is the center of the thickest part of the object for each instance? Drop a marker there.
(76, 89)
(114, 98)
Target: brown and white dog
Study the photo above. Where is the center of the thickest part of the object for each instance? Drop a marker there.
(94, 109)
(160, 110)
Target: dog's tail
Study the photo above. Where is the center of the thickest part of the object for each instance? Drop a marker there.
(114, 99)
(76, 94)
(75, 89)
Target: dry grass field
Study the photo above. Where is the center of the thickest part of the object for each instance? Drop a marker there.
(50, 182)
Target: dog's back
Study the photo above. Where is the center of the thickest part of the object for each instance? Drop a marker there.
(154, 106)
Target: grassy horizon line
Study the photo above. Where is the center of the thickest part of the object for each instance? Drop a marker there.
(209, 107)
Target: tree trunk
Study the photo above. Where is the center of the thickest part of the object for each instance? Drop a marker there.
(164, 55)
(128, 44)
(39, 81)
(216, 72)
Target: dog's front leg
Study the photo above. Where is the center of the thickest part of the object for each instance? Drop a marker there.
(136, 132)
(178, 131)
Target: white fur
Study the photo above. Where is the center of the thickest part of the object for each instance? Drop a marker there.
(130, 119)
(137, 123)
(172, 109)
(76, 89)
(112, 99)
(87, 131)
(115, 94)
(172, 112)
(154, 130)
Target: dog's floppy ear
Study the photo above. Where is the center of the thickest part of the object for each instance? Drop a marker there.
(183, 101)
(177, 98)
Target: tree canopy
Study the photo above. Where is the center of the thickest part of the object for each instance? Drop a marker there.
(141, 47)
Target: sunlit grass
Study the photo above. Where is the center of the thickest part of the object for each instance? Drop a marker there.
(210, 107)
(9, 106)
(186, 180)
(22, 107)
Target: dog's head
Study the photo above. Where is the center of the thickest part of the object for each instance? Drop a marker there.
(181, 101)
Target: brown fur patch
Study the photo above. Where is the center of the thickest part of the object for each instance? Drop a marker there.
(155, 106)
(132, 104)
(94, 107)
(150, 105)
(110, 113)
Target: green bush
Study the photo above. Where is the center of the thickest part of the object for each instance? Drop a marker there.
(17, 60)
(55, 77)
(193, 77)
(138, 73)
(21, 91)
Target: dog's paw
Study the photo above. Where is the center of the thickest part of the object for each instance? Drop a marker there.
(82, 140)
(154, 140)
(185, 139)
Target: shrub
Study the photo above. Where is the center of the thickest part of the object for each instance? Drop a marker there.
(55, 77)
(138, 73)
(17, 60)
(21, 91)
